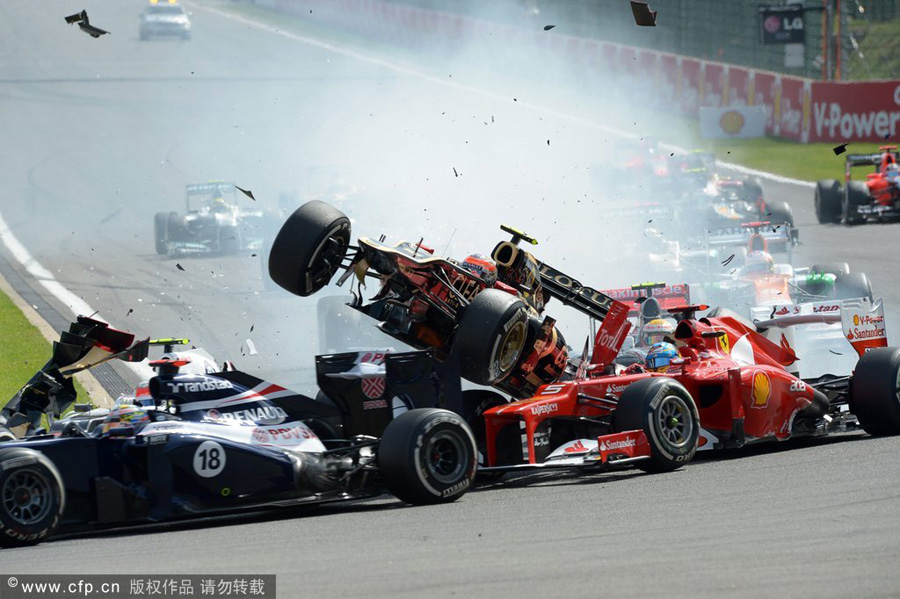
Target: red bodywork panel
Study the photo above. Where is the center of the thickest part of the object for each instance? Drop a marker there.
(737, 402)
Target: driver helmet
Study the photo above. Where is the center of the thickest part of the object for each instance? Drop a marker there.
(218, 204)
(656, 331)
(759, 263)
(124, 419)
(482, 266)
(892, 172)
(660, 356)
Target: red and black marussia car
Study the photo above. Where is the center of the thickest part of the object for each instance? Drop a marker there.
(878, 197)
(729, 387)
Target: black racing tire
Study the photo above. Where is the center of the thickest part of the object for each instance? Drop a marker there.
(475, 403)
(852, 286)
(161, 232)
(427, 456)
(828, 201)
(6, 435)
(837, 269)
(490, 337)
(309, 248)
(875, 391)
(666, 412)
(32, 497)
(857, 194)
(780, 213)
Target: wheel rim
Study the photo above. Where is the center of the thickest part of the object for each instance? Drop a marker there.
(26, 496)
(326, 259)
(512, 346)
(675, 422)
(445, 457)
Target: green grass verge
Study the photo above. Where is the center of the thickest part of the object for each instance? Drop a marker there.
(23, 351)
(809, 162)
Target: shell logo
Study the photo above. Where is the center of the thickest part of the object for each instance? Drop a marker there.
(762, 390)
(856, 319)
(732, 122)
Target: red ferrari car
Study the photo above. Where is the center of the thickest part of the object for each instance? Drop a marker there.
(729, 387)
(878, 197)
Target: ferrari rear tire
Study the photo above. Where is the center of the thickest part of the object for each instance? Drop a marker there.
(857, 195)
(491, 335)
(427, 456)
(852, 286)
(837, 269)
(309, 248)
(828, 201)
(875, 391)
(32, 497)
(161, 232)
(666, 412)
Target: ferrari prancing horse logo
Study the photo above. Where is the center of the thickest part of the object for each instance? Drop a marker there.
(724, 344)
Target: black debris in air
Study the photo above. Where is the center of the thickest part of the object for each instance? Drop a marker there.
(728, 260)
(643, 16)
(548, 27)
(840, 149)
(179, 267)
(246, 192)
(84, 24)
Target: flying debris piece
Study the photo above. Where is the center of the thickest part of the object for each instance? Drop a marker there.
(251, 328)
(84, 24)
(179, 267)
(835, 353)
(839, 149)
(887, 136)
(251, 348)
(728, 260)
(548, 27)
(108, 218)
(246, 192)
(455, 174)
(130, 310)
(643, 16)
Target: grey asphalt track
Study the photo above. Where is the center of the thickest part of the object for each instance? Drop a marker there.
(100, 134)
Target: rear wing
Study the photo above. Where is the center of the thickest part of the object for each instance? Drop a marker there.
(207, 188)
(612, 315)
(874, 159)
(861, 320)
(754, 236)
(668, 296)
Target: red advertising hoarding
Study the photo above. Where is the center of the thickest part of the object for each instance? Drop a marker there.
(857, 111)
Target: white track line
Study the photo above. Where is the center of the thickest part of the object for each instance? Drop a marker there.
(486, 93)
(76, 305)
